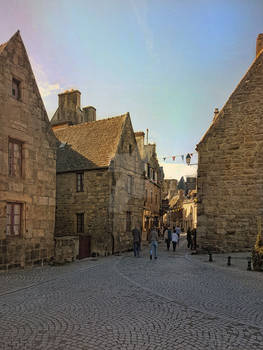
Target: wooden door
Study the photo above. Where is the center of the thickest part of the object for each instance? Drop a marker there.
(84, 247)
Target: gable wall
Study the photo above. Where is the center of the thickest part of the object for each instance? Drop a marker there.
(230, 184)
(121, 201)
(26, 120)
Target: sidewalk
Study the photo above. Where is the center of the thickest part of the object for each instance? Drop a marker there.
(239, 261)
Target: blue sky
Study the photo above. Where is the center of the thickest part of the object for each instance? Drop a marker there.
(168, 63)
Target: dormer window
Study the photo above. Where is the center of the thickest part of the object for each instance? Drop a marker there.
(16, 89)
(130, 149)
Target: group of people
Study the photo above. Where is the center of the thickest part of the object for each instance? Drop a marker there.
(153, 239)
(170, 235)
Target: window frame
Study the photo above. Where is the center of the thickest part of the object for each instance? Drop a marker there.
(17, 83)
(148, 171)
(11, 157)
(80, 184)
(11, 231)
(80, 222)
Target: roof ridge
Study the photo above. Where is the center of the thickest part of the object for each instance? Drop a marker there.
(94, 121)
(4, 45)
(221, 112)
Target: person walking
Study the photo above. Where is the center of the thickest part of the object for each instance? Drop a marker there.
(174, 239)
(136, 234)
(153, 239)
(189, 238)
(194, 238)
(167, 237)
(178, 231)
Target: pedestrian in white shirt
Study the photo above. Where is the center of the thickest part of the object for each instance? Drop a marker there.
(174, 239)
(178, 231)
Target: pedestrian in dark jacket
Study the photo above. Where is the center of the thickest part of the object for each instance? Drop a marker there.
(136, 233)
(189, 239)
(168, 237)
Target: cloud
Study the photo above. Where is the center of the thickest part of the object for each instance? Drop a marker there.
(45, 87)
(140, 9)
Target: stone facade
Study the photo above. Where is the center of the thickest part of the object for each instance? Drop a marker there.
(174, 214)
(230, 185)
(28, 163)
(169, 188)
(103, 156)
(153, 181)
(190, 211)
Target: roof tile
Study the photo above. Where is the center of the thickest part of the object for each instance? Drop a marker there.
(88, 145)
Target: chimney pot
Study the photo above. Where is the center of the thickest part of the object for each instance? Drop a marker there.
(89, 113)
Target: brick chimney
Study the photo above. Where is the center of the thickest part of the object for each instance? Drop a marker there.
(89, 114)
(139, 135)
(259, 45)
(68, 111)
(69, 100)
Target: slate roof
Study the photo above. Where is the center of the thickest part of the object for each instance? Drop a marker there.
(89, 145)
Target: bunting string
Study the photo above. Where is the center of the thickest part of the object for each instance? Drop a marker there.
(175, 157)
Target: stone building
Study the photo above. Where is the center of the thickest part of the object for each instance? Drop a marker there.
(190, 183)
(190, 211)
(28, 163)
(153, 180)
(174, 214)
(230, 185)
(169, 188)
(100, 183)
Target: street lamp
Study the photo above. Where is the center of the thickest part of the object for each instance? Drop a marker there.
(188, 160)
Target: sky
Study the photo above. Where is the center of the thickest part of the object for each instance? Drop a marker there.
(169, 63)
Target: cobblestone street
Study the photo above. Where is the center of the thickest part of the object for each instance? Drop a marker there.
(175, 302)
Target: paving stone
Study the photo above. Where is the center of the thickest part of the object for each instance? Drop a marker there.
(177, 302)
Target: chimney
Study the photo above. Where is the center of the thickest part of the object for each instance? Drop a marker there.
(69, 100)
(89, 114)
(259, 45)
(139, 135)
(216, 112)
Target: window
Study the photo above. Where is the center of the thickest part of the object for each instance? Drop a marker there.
(148, 171)
(15, 158)
(128, 221)
(80, 187)
(13, 216)
(80, 222)
(130, 184)
(130, 149)
(16, 89)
